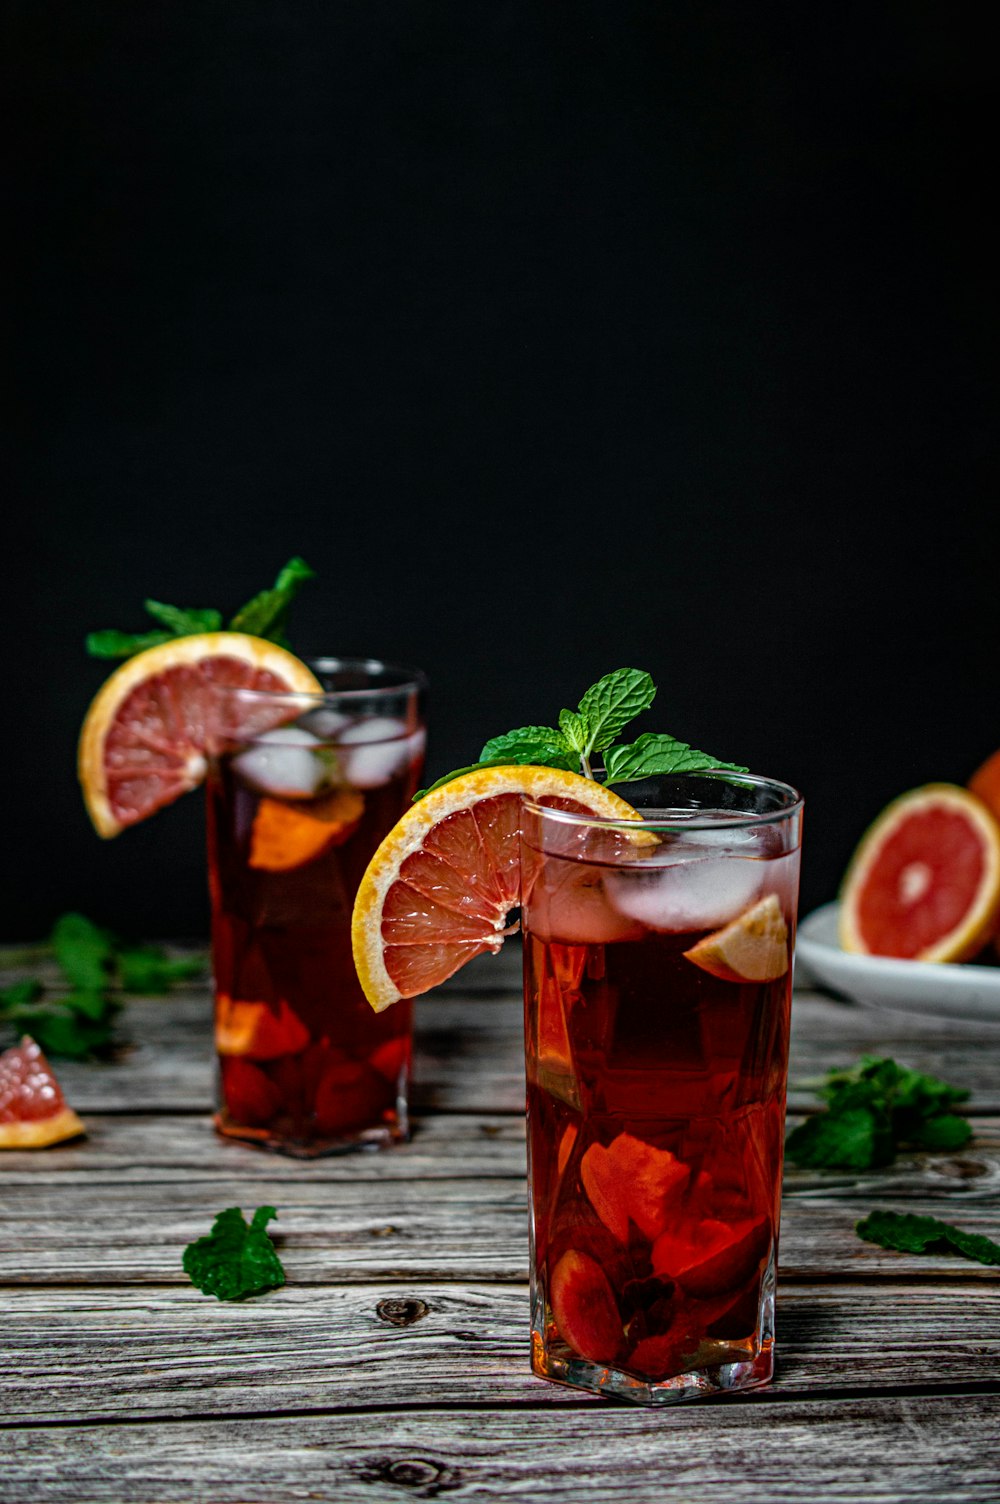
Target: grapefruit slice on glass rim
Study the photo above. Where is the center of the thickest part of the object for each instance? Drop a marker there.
(33, 1111)
(149, 728)
(924, 883)
(438, 890)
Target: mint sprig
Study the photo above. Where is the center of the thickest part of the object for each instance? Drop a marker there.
(907, 1233)
(264, 615)
(873, 1109)
(235, 1259)
(96, 966)
(601, 716)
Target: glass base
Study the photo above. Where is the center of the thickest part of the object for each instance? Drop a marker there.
(719, 1378)
(382, 1136)
(718, 1366)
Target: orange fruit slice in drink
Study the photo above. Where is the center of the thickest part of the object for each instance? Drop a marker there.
(751, 948)
(287, 835)
(584, 1307)
(33, 1111)
(438, 890)
(256, 1030)
(152, 724)
(924, 883)
(631, 1181)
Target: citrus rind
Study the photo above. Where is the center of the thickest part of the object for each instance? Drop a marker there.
(409, 834)
(979, 921)
(192, 651)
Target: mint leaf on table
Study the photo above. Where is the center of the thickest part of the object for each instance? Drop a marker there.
(18, 994)
(235, 1260)
(911, 1234)
(148, 969)
(603, 713)
(84, 951)
(266, 615)
(874, 1108)
(856, 1138)
(78, 1022)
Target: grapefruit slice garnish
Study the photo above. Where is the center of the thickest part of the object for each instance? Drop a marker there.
(924, 883)
(438, 890)
(153, 722)
(290, 835)
(751, 948)
(33, 1111)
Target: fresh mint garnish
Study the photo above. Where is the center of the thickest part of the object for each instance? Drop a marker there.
(603, 713)
(654, 753)
(873, 1109)
(610, 704)
(78, 1022)
(911, 1234)
(235, 1260)
(265, 615)
(183, 621)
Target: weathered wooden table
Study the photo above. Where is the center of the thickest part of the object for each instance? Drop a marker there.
(394, 1364)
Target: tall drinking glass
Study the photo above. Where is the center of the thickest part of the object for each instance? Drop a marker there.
(657, 974)
(295, 811)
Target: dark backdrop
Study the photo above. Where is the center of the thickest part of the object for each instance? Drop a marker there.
(555, 337)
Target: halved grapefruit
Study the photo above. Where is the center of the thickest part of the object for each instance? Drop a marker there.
(33, 1111)
(438, 890)
(148, 730)
(924, 883)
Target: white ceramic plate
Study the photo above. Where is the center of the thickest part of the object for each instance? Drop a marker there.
(962, 991)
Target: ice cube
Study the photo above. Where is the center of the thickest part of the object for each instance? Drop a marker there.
(324, 723)
(371, 764)
(289, 763)
(698, 894)
(575, 911)
(377, 728)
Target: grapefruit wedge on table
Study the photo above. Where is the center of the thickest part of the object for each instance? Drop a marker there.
(145, 739)
(438, 890)
(33, 1111)
(924, 883)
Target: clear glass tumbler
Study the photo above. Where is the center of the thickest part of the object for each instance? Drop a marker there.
(657, 980)
(296, 809)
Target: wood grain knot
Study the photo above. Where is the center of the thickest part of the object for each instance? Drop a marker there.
(401, 1312)
(425, 1478)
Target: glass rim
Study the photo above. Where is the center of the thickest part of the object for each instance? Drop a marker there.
(668, 819)
(411, 680)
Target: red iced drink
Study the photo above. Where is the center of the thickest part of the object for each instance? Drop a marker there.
(657, 991)
(294, 815)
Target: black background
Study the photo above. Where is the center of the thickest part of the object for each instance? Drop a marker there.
(554, 336)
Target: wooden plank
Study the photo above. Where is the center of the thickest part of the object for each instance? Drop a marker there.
(352, 1231)
(943, 1449)
(185, 1147)
(115, 1353)
(469, 1054)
